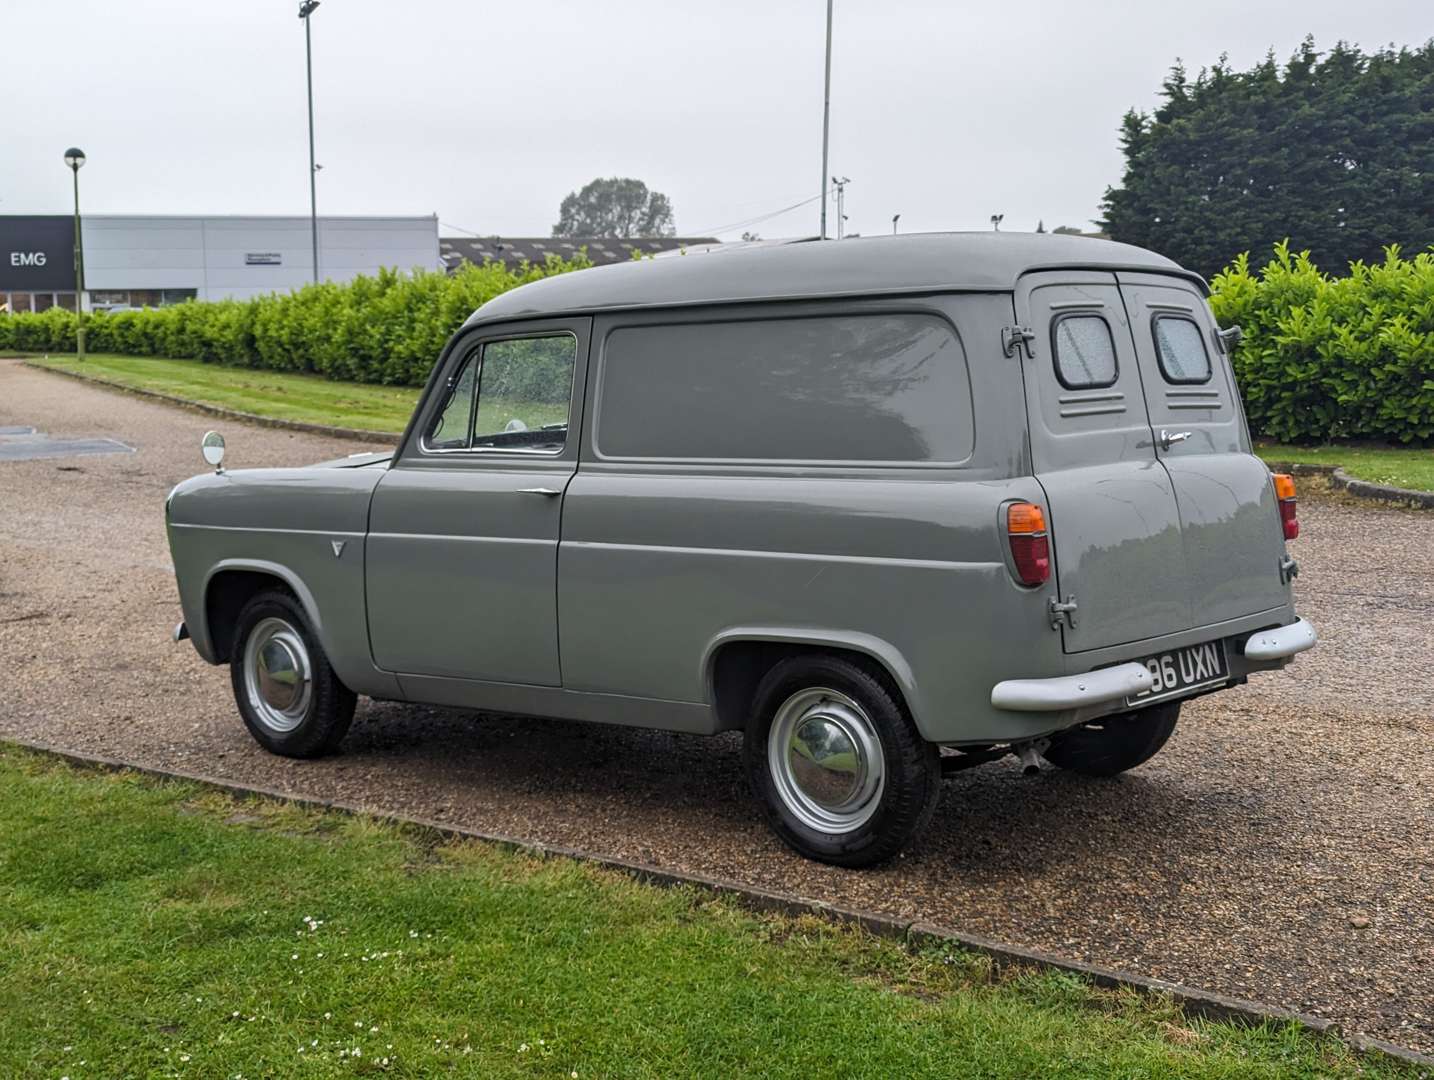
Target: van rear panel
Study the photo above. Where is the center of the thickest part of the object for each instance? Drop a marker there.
(1162, 520)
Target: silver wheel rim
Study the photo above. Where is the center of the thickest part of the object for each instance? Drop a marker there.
(826, 760)
(277, 675)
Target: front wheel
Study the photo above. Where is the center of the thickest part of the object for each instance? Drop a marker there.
(1112, 744)
(838, 765)
(290, 699)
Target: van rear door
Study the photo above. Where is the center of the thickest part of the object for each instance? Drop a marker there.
(1234, 542)
(1114, 520)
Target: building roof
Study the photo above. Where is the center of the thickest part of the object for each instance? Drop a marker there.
(513, 251)
(810, 269)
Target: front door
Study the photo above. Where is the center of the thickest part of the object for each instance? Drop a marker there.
(1114, 525)
(1234, 543)
(462, 551)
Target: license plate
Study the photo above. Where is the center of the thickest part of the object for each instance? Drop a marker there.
(1179, 671)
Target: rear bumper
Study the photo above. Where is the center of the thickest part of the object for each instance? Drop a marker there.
(1071, 691)
(1116, 683)
(1281, 642)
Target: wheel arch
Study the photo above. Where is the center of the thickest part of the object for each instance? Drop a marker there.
(229, 585)
(735, 661)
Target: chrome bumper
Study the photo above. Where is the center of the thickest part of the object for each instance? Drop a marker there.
(1072, 691)
(1281, 642)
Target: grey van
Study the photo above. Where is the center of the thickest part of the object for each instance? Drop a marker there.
(891, 507)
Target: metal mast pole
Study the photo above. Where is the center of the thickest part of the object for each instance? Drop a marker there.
(313, 173)
(826, 117)
(79, 274)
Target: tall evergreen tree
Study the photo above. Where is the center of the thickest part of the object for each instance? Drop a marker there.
(1334, 151)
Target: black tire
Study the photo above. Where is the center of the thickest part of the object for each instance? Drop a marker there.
(320, 719)
(1112, 744)
(911, 766)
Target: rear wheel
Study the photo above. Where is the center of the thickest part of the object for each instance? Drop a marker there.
(287, 693)
(1113, 744)
(839, 767)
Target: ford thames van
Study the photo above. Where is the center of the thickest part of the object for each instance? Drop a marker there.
(891, 507)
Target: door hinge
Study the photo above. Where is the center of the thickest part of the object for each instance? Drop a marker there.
(1013, 337)
(1289, 569)
(1063, 612)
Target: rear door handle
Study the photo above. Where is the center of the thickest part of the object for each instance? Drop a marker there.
(1170, 438)
(549, 492)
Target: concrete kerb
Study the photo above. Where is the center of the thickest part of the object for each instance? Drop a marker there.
(913, 934)
(1363, 489)
(355, 434)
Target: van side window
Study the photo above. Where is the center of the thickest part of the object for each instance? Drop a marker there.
(1180, 347)
(1084, 352)
(511, 395)
(866, 389)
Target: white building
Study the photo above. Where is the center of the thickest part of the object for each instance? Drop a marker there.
(148, 260)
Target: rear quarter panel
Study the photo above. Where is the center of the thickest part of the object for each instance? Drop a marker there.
(661, 564)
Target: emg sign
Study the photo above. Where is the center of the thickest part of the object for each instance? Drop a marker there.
(37, 253)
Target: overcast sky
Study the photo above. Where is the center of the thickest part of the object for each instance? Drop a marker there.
(489, 113)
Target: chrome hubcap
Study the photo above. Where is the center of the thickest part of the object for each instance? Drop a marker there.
(826, 760)
(277, 674)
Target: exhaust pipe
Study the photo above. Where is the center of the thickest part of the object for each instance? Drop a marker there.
(1029, 753)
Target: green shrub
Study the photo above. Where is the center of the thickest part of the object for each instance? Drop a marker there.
(388, 328)
(1327, 358)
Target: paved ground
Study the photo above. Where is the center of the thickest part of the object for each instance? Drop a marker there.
(1281, 848)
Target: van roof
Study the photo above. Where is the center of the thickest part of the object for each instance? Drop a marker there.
(813, 269)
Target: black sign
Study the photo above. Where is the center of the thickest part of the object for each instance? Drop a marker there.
(37, 253)
(263, 258)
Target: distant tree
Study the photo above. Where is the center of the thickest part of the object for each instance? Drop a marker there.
(750, 236)
(618, 206)
(1334, 151)
(1041, 225)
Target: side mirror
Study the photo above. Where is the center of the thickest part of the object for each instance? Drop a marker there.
(212, 447)
(1229, 339)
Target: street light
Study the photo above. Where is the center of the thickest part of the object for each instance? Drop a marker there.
(306, 8)
(894, 219)
(826, 117)
(74, 158)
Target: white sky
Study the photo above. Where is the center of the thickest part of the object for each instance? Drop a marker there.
(489, 113)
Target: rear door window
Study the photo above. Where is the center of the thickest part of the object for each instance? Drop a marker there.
(1084, 352)
(1180, 350)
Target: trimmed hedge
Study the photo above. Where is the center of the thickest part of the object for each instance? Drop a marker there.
(1322, 359)
(1326, 358)
(387, 329)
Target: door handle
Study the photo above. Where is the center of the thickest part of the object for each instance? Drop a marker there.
(549, 492)
(1170, 438)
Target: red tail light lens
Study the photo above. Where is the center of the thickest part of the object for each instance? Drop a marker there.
(1030, 546)
(1285, 493)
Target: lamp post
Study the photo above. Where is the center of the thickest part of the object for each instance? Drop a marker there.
(894, 219)
(306, 8)
(826, 117)
(74, 158)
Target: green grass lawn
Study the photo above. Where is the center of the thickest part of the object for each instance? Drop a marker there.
(1399, 466)
(152, 928)
(285, 395)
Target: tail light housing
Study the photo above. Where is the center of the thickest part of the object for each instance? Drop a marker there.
(1030, 546)
(1285, 493)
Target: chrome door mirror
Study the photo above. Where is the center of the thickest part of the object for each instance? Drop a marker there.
(212, 447)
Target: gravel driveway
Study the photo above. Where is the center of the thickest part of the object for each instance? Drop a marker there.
(1279, 849)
